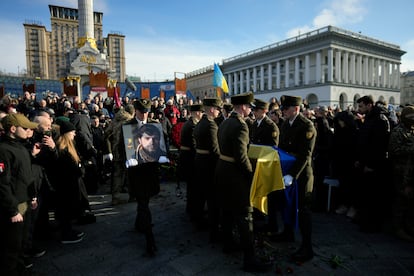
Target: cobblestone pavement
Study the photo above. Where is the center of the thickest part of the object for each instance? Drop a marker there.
(112, 247)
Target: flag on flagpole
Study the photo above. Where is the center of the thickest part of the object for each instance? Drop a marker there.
(116, 98)
(219, 80)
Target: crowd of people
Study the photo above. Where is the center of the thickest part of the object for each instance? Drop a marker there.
(56, 150)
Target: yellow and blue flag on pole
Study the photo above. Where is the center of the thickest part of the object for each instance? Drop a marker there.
(219, 80)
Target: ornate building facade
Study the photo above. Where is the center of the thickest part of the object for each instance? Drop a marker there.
(328, 66)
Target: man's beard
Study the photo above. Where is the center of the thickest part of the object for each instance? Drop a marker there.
(149, 156)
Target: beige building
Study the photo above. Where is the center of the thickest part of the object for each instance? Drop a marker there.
(407, 88)
(327, 66)
(200, 82)
(48, 52)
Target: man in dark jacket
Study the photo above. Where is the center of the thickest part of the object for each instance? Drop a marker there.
(372, 165)
(143, 178)
(15, 180)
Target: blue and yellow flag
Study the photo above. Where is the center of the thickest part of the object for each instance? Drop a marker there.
(219, 80)
(268, 176)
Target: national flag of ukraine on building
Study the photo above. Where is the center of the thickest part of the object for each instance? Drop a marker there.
(219, 80)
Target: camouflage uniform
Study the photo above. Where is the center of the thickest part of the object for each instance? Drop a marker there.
(401, 150)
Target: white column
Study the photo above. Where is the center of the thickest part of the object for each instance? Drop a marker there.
(248, 86)
(359, 70)
(307, 65)
(345, 67)
(254, 79)
(278, 75)
(230, 83)
(384, 73)
(287, 73)
(85, 13)
(352, 68)
(262, 78)
(242, 90)
(236, 86)
(371, 72)
(269, 76)
(338, 66)
(318, 67)
(398, 76)
(330, 65)
(377, 74)
(296, 71)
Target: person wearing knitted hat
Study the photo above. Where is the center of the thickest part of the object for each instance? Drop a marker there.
(401, 148)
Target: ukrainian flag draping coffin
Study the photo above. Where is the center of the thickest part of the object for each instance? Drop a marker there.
(267, 177)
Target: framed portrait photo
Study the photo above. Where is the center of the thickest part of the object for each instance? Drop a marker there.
(145, 143)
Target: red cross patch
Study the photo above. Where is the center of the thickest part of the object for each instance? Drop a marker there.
(1, 168)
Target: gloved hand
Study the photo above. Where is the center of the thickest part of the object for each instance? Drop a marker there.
(108, 156)
(288, 180)
(163, 159)
(131, 162)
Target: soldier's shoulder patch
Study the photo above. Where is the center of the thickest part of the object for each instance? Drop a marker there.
(309, 135)
(2, 167)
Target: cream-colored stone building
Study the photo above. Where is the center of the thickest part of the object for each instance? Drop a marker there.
(407, 88)
(328, 66)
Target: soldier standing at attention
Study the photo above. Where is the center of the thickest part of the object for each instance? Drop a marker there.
(187, 154)
(297, 137)
(265, 132)
(233, 177)
(207, 154)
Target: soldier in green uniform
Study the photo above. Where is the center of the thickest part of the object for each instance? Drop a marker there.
(207, 153)
(233, 178)
(297, 137)
(265, 132)
(187, 154)
(401, 149)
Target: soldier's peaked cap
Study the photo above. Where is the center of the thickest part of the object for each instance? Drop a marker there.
(195, 107)
(260, 104)
(216, 102)
(290, 101)
(228, 107)
(143, 105)
(245, 98)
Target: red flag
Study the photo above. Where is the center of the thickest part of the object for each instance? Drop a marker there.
(116, 98)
